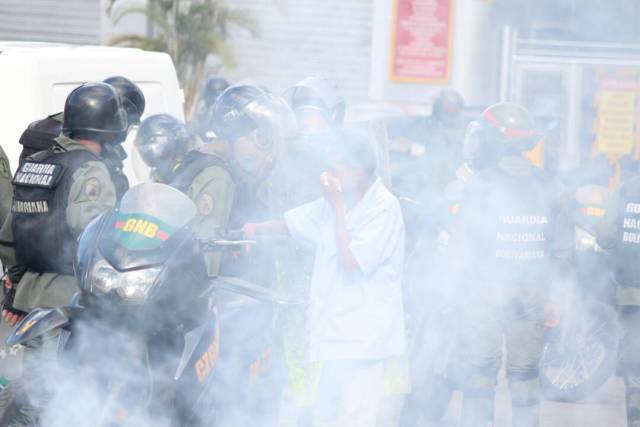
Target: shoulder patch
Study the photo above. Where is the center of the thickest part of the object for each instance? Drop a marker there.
(92, 189)
(35, 174)
(205, 204)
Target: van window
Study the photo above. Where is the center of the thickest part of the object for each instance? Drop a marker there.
(155, 97)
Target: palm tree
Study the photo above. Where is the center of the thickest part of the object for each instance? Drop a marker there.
(189, 31)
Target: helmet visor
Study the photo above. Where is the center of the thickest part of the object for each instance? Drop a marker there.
(152, 150)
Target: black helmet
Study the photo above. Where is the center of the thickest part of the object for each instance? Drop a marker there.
(244, 109)
(131, 95)
(501, 130)
(94, 111)
(319, 93)
(252, 113)
(448, 102)
(212, 89)
(161, 140)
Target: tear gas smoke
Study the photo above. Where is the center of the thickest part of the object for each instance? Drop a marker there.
(484, 262)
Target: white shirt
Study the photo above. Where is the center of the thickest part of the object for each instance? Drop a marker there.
(355, 315)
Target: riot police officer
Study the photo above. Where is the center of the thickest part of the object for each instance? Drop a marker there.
(619, 233)
(503, 233)
(164, 145)
(424, 156)
(41, 134)
(443, 135)
(319, 107)
(57, 192)
(256, 124)
(317, 104)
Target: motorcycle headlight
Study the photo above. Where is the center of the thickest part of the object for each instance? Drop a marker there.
(104, 278)
(129, 285)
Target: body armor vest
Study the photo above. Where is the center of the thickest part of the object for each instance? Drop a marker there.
(512, 218)
(43, 239)
(194, 162)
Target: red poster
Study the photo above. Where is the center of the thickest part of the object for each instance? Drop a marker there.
(422, 33)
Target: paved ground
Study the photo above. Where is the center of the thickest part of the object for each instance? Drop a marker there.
(604, 409)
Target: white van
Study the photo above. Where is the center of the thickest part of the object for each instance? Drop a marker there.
(35, 79)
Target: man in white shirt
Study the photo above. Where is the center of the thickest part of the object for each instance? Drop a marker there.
(355, 315)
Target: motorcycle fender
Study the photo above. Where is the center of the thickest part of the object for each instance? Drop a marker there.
(38, 322)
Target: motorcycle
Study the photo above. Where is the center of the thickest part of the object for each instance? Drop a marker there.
(151, 339)
(580, 353)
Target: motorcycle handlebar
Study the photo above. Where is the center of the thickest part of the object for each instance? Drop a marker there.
(220, 244)
(242, 287)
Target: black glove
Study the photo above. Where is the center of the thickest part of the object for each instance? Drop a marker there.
(16, 272)
(9, 291)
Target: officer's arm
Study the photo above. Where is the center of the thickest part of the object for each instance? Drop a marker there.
(212, 191)
(7, 250)
(92, 193)
(6, 188)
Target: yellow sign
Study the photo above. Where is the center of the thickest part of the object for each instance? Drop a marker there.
(616, 122)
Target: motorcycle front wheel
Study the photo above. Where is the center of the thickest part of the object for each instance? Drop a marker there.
(580, 355)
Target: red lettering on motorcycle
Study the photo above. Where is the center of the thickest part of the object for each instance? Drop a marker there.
(205, 363)
(260, 366)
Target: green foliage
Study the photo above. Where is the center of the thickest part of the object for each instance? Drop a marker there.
(189, 31)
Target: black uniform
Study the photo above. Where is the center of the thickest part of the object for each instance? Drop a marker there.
(620, 233)
(506, 225)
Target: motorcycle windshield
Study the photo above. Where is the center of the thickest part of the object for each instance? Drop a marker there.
(146, 228)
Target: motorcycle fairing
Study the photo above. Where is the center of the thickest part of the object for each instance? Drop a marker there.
(40, 321)
(147, 227)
